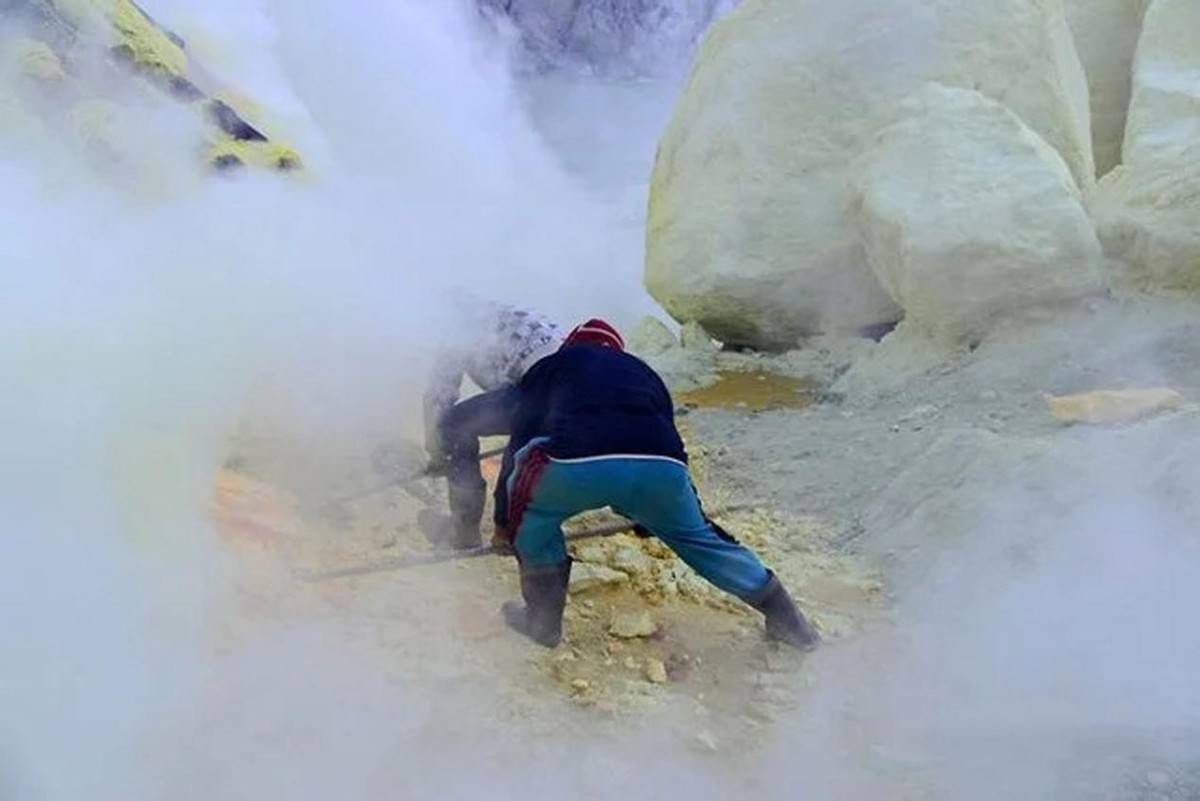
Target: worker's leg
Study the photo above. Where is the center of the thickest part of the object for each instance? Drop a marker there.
(545, 567)
(666, 503)
(557, 492)
(484, 415)
(656, 493)
(565, 489)
(539, 540)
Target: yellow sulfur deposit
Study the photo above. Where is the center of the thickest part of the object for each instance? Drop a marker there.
(230, 152)
(136, 35)
(145, 41)
(36, 60)
(1112, 406)
(134, 39)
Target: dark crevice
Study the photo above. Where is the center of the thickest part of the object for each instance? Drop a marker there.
(231, 122)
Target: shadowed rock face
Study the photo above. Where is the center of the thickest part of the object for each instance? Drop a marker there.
(608, 36)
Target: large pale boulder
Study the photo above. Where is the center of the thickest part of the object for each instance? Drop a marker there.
(1164, 111)
(1148, 217)
(1106, 35)
(1148, 210)
(748, 231)
(968, 215)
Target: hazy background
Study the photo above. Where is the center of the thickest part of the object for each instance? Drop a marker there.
(146, 314)
(142, 322)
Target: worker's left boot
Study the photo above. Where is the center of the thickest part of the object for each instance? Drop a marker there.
(466, 513)
(460, 528)
(544, 589)
(785, 623)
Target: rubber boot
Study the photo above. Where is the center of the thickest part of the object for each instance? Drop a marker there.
(544, 589)
(785, 623)
(466, 512)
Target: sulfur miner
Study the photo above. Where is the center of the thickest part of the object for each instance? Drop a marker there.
(509, 341)
(592, 427)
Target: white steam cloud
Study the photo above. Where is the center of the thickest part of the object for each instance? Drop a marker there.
(137, 329)
(136, 335)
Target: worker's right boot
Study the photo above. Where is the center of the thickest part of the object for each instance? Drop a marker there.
(544, 589)
(785, 623)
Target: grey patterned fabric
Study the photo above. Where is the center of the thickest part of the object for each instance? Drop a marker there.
(510, 341)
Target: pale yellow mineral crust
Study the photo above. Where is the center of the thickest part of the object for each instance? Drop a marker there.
(1112, 406)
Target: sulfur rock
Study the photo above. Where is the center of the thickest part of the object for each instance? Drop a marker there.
(968, 216)
(748, 232)
(1112, 406)
(656, 671)
(652, 337)
(632, 625)
(1146, 209)
(587, 577)
(632, 560)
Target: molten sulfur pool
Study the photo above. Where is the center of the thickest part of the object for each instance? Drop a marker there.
(753, 391)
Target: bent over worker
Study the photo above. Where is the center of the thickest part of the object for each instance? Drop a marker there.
(498, 344)
(594, 426)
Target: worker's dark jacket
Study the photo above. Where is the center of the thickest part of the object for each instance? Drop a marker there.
(590, 401)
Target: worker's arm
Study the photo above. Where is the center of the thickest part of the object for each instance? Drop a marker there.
(530, 405)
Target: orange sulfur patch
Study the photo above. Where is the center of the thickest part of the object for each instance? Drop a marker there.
(251, 512)
(491, 469)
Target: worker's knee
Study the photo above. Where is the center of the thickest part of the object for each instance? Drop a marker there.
(540, 543)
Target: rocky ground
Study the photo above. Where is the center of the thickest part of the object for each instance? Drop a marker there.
(852, 469)
(645, 636)
(896, 401)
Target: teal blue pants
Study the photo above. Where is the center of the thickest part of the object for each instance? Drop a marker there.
(658, 494)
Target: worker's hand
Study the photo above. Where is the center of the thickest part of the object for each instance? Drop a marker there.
(502, 541)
